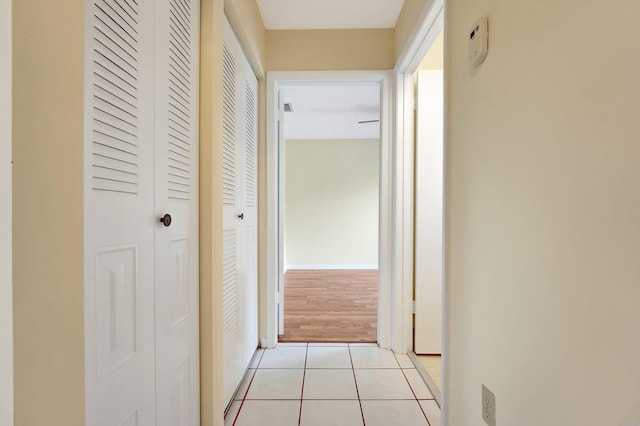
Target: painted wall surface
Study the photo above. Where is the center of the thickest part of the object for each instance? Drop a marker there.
(331, 202)
(211, 332)
(48, 257)
(542, 229)
(407, 20)
(245, 18)
(321, 50)
(6, 297)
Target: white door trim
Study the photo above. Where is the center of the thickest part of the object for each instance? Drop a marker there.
(268, 305)
(6, 312)
(430, 24)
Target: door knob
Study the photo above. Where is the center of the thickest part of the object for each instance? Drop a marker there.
(166, 219)
(241, 216)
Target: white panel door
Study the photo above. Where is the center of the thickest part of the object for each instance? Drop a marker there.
(230, 221)
(119, 214)
(429, 213)
(141, 162)
(176, 195)
(240, 290)
(249, 223)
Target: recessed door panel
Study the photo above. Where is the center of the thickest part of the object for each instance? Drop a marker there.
(178, 283)
(116, 283)
(181, 394)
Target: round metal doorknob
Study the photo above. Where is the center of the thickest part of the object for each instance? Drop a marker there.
(166, 219)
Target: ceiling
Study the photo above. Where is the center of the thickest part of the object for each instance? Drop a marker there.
(329, 14)
(332, 111)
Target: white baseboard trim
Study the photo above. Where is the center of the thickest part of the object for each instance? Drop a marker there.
(299, 267)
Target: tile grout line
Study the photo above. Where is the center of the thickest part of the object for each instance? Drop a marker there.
(305, 368)
(355, 380)
(435, 391)
(244, 397)
(411, 388)
(304, 374)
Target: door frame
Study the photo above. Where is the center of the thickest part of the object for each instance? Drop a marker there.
(269, 291)
(430, 25)
(6, 282)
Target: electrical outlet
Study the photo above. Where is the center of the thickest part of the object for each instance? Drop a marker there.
(488, 406)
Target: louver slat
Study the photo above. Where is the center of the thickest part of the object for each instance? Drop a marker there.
(229, 129)
(251, 146)
(180, 103)
(114, 78)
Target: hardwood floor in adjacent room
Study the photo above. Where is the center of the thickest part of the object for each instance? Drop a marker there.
(330, 306)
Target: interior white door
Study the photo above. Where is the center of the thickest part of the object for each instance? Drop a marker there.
(176, 195)
(141, 294)
(240, 291)
(429, 213)
(119, 214)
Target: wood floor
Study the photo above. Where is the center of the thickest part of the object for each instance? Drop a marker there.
(330, 306)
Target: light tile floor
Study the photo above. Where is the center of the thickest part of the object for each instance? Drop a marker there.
(332, 385)
(433, 366)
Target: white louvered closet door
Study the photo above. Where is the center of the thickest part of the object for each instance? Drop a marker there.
(176, 185)
(119, 191)
(140, 277)
(239, 213)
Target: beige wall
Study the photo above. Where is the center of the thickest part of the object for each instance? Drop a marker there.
(407, 20)
(321, 50)
(542, 234)
(211, 333)
(246, 21)
(331, 202)
(48, 210)
(6, 297)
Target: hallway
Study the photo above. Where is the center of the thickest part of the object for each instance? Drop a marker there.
(332, 384)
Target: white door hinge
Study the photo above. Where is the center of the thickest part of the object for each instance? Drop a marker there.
(413, 307)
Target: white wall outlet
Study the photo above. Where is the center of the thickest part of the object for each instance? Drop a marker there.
(488, 406)
(479, 42)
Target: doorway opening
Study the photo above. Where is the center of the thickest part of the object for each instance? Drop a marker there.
(428, 221)
(329, 166)
(329, 142)
(420, 136)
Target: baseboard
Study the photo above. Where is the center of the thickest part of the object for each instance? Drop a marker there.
(307, 267)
